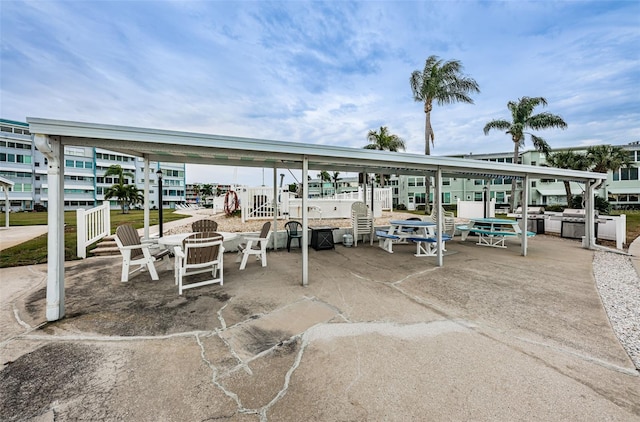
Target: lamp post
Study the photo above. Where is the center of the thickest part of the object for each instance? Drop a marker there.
(484, 200)
(159, 174)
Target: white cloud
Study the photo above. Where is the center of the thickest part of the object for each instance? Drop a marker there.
(322, 72)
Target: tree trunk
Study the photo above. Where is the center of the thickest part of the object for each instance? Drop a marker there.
(428, 137)
(428, 132)
(567, 188)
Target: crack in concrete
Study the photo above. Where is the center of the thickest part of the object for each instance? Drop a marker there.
(16, 315)
(223, 323)
(214, 380)
(287, 378)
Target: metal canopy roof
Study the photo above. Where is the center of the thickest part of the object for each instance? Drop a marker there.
(197, 148)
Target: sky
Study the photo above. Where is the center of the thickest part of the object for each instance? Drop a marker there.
(322, 73)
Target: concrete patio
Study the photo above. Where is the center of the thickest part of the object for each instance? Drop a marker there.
(374, 336)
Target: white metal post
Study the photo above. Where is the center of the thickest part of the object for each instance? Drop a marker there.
(305, 221)
(7, 204)
(589, 239)
(107, 216)
(81, 233)
(52, 148)
(146, 196)
(525, 214)
(275, 208)
(439, 213)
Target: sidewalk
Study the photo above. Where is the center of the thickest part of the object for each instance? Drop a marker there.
(18, 234)
(490, 336)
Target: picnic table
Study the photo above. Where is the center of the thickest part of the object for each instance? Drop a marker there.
(492, 231)
(404, 231)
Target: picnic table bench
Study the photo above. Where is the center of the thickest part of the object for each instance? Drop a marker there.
(426, 246)
(492, 231)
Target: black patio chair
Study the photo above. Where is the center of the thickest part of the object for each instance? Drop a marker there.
(294, 231)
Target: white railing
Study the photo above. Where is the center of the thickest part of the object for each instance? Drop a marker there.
(385, 196)
(257, 203)
(92, 225)
(356, 195)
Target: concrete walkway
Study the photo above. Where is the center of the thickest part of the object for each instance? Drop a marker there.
(16, 235)
(491, 336)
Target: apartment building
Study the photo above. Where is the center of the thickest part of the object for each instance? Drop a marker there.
(85, 182)
(621, 190)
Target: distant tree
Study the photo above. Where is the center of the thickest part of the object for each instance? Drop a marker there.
(335, 177)
(324, 176)
(196, 191)
(117, 170)
(384, 141)
(605, 158)
(444, 83)
(127, 195)
(522, 118)
(568, 160)
(207, 191)
(122, 192)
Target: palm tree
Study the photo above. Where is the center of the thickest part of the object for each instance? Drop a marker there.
(196, 190)
(522, 118)
(126, 194)
(119, 190)
(335, 179)
(444, 83)
(568, 160)
(606, 157)
(324, 176)
(117, 170)
(384, 141)
(207, 191)
(134, 195)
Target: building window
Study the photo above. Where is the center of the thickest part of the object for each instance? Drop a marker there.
(630, 173)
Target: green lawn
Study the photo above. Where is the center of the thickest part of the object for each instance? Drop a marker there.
(35, 250)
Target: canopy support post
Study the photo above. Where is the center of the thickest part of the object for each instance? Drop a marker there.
(440, 220)
(305, 221)
(52, 148)
(146, 196)
(525, 214)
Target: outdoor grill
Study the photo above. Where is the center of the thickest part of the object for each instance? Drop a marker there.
(535, 218)
(573, 222)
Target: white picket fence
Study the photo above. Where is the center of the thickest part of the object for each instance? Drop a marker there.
(92, 225)
(257, 203)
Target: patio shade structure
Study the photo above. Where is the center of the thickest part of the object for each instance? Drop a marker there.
(50, 137)
(6, 184)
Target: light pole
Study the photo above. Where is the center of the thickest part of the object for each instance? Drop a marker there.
(484, 200)
(159, 174)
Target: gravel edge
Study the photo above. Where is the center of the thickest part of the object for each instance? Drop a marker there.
(619, 286)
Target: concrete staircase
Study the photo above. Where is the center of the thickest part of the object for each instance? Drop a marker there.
(106, 247)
